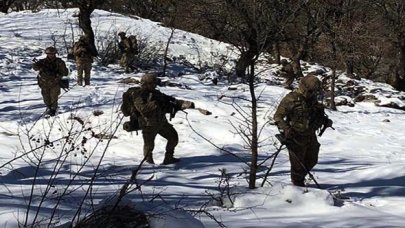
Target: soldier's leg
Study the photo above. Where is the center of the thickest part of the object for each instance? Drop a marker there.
(149, 136)
(125, 62)
(168, 132)
(46, 96)
(80, 70)
(288, 82)
(87, 71)
(297, 156)
(131, 62)
(311, 157)
(122, 60)
(54, 95)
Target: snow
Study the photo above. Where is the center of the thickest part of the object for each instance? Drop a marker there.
(363, 158)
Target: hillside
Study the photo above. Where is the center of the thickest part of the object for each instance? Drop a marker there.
(362, 159)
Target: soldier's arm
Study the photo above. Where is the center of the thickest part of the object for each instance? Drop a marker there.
(145, 107)
(63, 70)
(282, 71)
(127, 45)
(37, 66)
(183, 104)
(121, 46)
(281, 114)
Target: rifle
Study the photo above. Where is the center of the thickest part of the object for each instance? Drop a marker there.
(325, 125)
(175, 108)
(283, 140)
(63, 82)
(172, 107)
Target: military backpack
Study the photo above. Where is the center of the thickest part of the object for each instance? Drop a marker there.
(128, 109)
(133, 43)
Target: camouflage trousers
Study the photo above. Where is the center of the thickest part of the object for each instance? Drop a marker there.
(167, 131)
(50, 95)
(303, 154)
(127, 60)
(289, 81)
(83, 66)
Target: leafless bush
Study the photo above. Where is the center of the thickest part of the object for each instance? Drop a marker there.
(107, 46)
(109, 53)
(60, 156)
(225, 197)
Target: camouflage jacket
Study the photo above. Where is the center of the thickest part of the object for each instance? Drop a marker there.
(304, 116)
(82, 52)
(287, 71)
(153, 106)
(128, 45)
(50, 71)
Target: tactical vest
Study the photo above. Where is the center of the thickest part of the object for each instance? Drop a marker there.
(305, 116)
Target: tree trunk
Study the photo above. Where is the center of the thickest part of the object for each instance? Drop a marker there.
(5, 5)
(277, 54)
(86, 9)
(297, 66)
(332, 84)
(243, 63)
(332, 90)
(398, 73)
(350, 68)
(165, 53)
(296, 59)
(254, 142)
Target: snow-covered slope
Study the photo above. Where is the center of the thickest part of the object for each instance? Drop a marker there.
(363, 158)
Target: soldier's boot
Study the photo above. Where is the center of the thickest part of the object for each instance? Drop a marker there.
(169, 159)
(299, 183)
(149, 159)
(51, 112)
(86, 81)
(80, 82)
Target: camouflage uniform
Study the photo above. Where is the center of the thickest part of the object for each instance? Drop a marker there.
(128, 50)
(84, 59)
(287, 72)
(51, 70)
(152, 106)
(298, 116)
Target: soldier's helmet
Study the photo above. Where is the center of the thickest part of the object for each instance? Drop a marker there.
(149, 81)
(50, 50)
(309, 85)
(122, 34)
(284, 62)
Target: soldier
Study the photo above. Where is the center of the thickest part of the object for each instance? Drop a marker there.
(297, 117)
(51, 70)
(84, 59)
(151, 106)
(287, 72)
(129, 48)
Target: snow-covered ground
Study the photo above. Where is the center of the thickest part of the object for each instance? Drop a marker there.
(363, 158)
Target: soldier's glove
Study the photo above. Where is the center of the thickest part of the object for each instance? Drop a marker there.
(329, 123)
(289, 133)
(187, 104)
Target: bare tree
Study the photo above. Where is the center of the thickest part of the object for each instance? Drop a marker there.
(303, 30)
(86, 8)
(393, 15)
(5, 5)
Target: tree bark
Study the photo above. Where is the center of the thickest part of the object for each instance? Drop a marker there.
(86, 9)
(254, 139)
